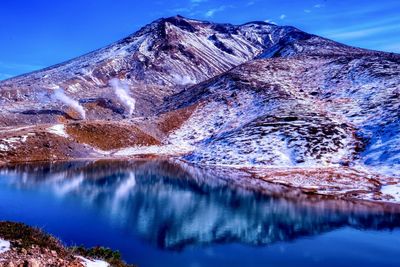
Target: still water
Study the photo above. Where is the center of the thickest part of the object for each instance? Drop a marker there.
(159, 213)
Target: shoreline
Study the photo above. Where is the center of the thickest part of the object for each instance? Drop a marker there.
(62, 142)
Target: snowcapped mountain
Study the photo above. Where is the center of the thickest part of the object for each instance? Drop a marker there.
(257, 96)
(165, 56)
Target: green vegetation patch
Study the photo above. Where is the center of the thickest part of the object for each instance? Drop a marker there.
(23, 236)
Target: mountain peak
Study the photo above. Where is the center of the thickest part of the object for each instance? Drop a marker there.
(180, 22)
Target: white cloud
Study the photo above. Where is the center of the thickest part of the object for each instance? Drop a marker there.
(181, 10)
(210, 13)
(283, 16)
(318, 5)
(307, 11)
(191, 8)
(270, 21)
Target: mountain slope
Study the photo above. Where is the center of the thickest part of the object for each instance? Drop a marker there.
(279, 103)
(157, 61)
(300, 111)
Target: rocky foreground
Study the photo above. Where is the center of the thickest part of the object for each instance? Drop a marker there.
(23, 246)
(280, 104)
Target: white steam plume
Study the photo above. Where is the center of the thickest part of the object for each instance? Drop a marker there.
(62, 97)
(121, 89)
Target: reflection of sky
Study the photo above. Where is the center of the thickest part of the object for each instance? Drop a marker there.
(37, 34)
(175, 207)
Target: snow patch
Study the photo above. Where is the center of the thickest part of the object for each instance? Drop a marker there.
(3, 147)
(93, 263)
(8, 143)
(159, 150)
(393, 191)
(75, 88)
(102, 152)
(4, 245)
(58, 129)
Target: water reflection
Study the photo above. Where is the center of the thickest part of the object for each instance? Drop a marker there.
(173, 205)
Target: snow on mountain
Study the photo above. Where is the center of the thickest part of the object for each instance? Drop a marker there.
(166, 52)
(250, 96)
(159, 60)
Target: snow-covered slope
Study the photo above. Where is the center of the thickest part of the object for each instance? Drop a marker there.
(302, 111)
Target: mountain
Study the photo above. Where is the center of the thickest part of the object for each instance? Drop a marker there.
(286, 106)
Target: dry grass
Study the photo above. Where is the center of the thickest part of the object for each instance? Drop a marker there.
(43, 146)
(172, 120)
(109, 135)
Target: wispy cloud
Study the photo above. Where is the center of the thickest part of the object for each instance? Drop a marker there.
(211, 12)
(394, 47)
(349, 34)
(365, 11)
(181, 10)
(283, 16)
(270, 21)
(390, 44)
(367, 29)
(190, 8)
(309, 10)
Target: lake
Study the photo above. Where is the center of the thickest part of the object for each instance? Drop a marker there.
(167, 213)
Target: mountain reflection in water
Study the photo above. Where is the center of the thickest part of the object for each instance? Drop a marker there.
(173, 205)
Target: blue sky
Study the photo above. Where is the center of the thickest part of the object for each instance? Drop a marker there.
(39, 33)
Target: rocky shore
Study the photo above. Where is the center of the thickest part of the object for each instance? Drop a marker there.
(24, 246)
